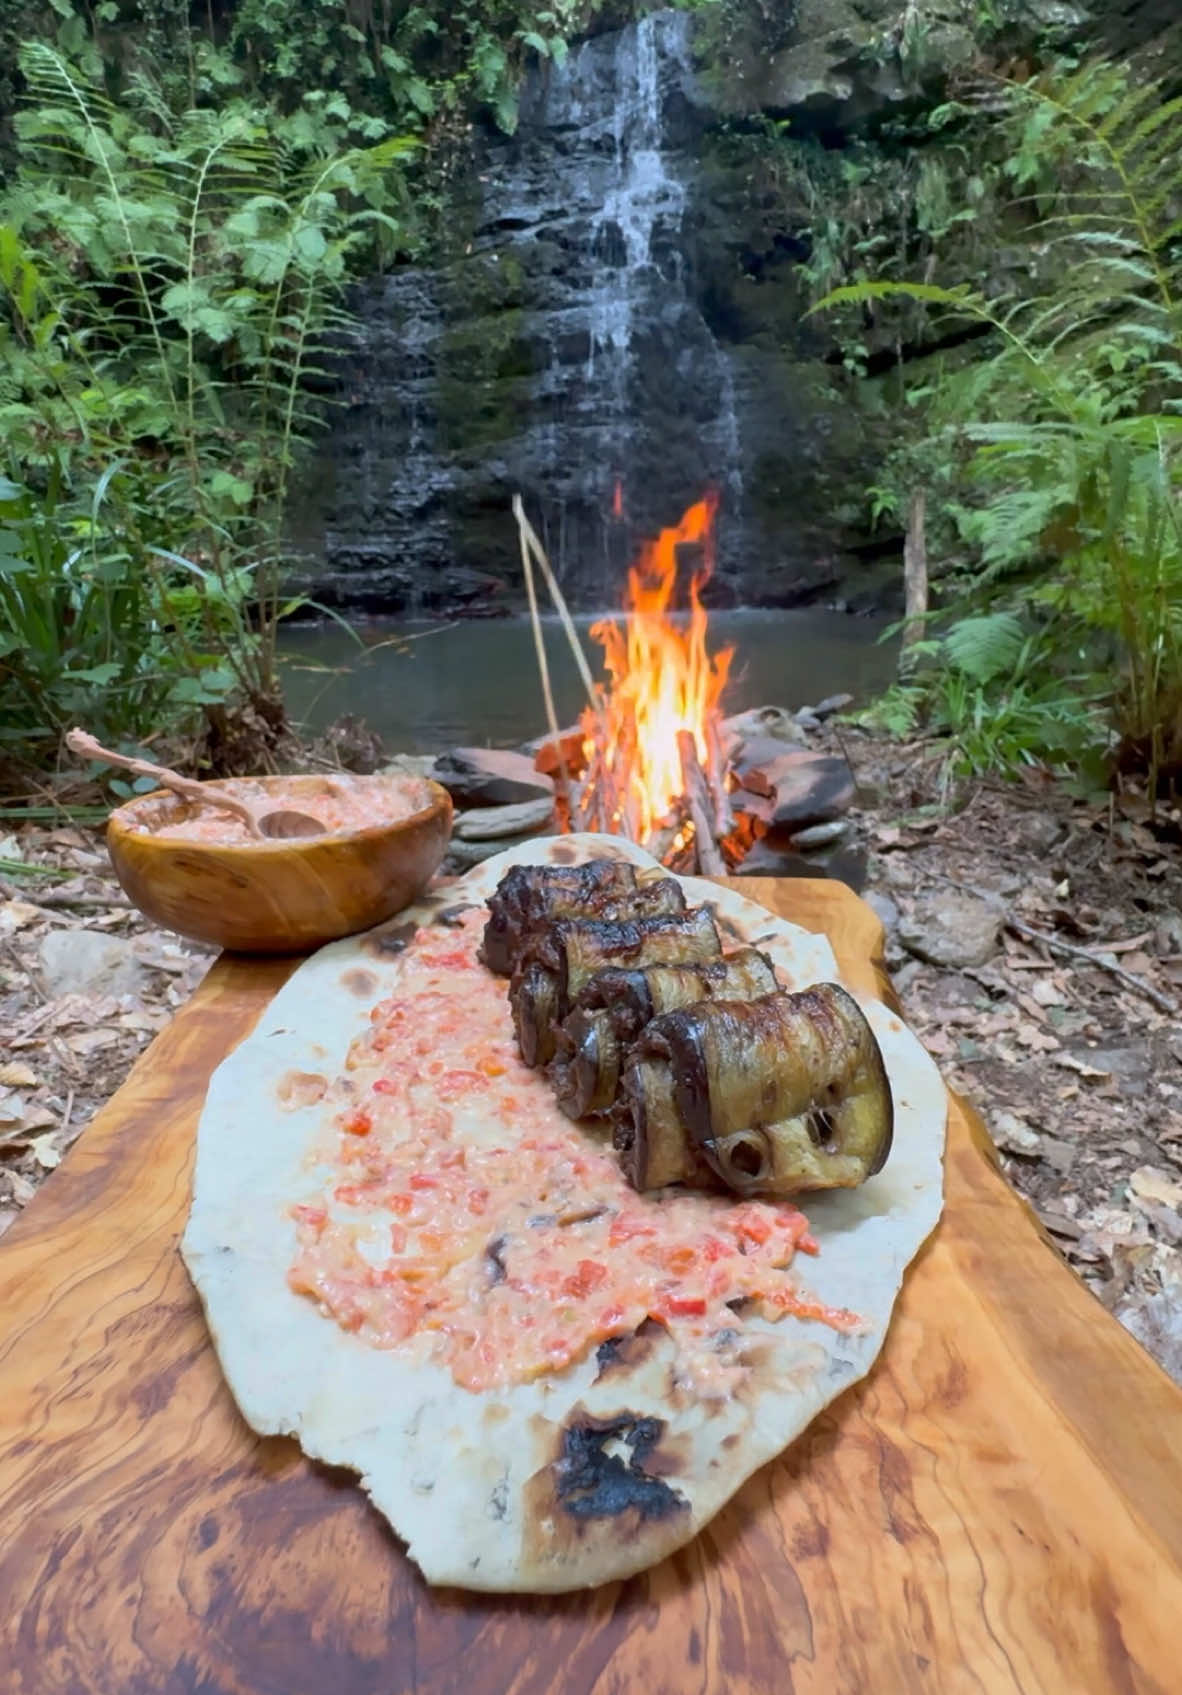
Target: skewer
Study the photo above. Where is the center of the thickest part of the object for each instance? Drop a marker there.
(539, 643)
(529, 539)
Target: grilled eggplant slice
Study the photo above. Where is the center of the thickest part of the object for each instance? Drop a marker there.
(772, 1096)
(566, 953)
(529, 896)
(609, 1013)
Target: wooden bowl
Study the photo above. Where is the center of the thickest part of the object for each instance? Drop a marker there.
(276, 896)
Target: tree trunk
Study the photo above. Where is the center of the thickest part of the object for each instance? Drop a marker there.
(915, 580)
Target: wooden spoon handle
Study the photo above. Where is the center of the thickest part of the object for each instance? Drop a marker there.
(204, 794)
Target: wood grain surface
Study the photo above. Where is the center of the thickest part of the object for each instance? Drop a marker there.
(997, 1508)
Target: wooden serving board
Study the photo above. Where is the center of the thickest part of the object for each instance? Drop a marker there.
(998, 1507)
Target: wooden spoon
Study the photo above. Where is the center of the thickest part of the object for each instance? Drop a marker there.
(278, 824)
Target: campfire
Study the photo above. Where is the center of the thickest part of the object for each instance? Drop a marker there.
(652, 757)
(653, 765)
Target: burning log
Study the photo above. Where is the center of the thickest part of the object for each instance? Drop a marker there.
(701, 805)
(716, 766)
(664, 838)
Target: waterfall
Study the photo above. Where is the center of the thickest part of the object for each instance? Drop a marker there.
(559, 349)
(636, 242)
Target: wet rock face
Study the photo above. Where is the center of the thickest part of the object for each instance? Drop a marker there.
(573, 347)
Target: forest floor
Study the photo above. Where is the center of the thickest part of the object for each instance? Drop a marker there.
(1070, 1048)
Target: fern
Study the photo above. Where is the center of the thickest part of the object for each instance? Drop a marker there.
(985, 647)
(173, 281)
(1062, 447)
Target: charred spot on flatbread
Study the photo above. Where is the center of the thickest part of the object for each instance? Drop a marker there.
(562, 854)
(610, 1466)
(451, 917)
(627, 1353)
(394, 940)
(360, 982)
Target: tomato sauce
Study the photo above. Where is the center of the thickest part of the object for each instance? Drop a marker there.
(341, 803)
(463, 1206)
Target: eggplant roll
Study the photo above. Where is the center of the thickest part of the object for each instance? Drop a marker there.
(529, 896)
(565, 954)
(770, 1097)
(609, 1013)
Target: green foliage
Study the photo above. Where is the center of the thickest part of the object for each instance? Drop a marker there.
(994, 687)
(1059, 452)
(189, 191)
(172, 283)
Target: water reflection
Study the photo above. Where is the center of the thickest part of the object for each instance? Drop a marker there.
(426, 687)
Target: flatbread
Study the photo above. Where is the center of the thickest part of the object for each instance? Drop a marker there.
(473, 1481)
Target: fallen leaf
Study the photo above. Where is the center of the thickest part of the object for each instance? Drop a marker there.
(90, 1041)
(1047, 992)
(938, 1042)
(12, 1108)
(15, 914)
(1081, 1066)
(46, 1152)
(1139, 964)
(22, 1190)
(1059, 1224)
(1041, 1041)
(144, 1020)
(1147, 1183)
(1014, 1135)
(14, 1075)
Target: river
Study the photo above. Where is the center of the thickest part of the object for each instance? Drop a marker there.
(430, 686)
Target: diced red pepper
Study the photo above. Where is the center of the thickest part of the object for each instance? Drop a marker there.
(682, 1306)
(315, 1216)
(401, 1204)
(680, 1259)
(625, 1227)
(423, 1180)
(588, 1275)
(385, 1086)
(358, 1123)
(477, 1202)
(751, 1227)
(397, 1238)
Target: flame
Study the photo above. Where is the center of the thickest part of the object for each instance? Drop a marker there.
(661, 679)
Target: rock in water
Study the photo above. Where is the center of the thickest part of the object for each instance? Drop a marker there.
(951, 929)
(87, 962)
(484, 776)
